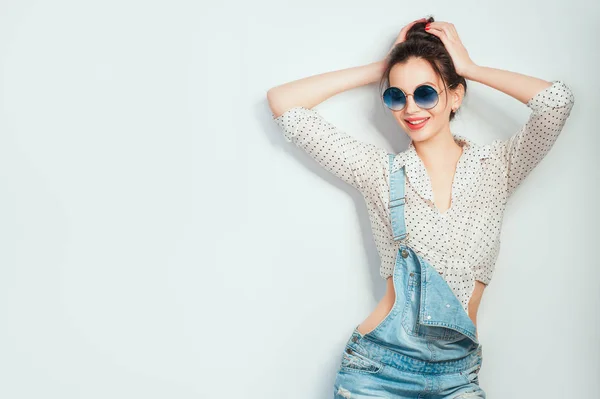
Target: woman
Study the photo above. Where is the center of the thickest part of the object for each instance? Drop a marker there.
(436, 208)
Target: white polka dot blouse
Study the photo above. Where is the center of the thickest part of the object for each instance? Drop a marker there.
(461, 243)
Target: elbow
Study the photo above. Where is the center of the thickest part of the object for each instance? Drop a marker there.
(274, 104)
(274, 95)
(279, 101)
(271, 93)
(282, 99)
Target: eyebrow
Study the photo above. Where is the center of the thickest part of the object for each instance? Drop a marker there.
(431, 83)
(421, 84)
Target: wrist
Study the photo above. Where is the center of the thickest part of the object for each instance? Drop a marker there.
(378, 68)
(470, 72)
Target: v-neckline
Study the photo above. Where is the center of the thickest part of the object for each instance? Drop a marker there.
(465, 179)
(453, 190)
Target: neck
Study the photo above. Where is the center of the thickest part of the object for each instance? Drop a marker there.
(439, 149)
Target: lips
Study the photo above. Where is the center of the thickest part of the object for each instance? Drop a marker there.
(416, 127)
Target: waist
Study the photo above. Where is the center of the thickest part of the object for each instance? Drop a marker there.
(387, 302)
(372, 350)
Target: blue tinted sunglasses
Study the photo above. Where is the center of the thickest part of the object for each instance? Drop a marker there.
(425, 97)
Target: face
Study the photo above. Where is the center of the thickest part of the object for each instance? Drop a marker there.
(407, 77)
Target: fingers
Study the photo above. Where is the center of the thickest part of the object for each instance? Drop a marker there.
(439, 28)
(439, 33)
(402, 35)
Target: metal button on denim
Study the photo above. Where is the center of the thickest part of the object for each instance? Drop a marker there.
(404, 253)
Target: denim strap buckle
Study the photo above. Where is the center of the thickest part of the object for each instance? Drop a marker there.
(401, 236)
(397, 202)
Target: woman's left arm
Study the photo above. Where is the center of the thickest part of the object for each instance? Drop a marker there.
(550, 104)
(519, 86)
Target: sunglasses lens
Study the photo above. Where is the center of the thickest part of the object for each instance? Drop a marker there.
(426, 97)
(394, 99)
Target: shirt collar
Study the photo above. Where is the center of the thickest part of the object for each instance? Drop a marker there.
(467, 170)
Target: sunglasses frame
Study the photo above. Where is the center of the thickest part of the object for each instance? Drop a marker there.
(412, 94)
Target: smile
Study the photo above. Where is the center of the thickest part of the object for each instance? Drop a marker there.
(417, 124)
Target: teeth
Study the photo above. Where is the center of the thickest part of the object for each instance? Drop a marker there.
(417, 122)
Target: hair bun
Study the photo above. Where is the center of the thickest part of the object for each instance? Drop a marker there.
(417, 30)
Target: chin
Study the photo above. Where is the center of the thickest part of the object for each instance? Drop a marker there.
(420, 135)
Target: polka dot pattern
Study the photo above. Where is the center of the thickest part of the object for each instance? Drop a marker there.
(462, 243)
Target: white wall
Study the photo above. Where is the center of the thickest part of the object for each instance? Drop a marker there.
(160, 239)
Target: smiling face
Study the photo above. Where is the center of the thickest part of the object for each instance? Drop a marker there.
(410, 75)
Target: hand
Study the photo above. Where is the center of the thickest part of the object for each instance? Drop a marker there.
(402, 35)
(448, 35)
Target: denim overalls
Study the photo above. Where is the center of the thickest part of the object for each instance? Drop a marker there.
(426, 347)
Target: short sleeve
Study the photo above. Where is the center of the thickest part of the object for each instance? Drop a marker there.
(352, 160)
(523, 151)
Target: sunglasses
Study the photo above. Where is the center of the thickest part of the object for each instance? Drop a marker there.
(425, 97)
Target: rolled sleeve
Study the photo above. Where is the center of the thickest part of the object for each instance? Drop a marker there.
(523, 151)
(348, 158)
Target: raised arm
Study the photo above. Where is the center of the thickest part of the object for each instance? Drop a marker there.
(311, 91)
(550, 104)
(524, 150)
(291, 104)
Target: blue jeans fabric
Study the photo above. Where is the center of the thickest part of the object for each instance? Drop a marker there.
(426, 346)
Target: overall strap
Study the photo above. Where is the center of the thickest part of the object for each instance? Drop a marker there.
(397, 201)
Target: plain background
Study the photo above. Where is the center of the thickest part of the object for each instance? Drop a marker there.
(160, 239)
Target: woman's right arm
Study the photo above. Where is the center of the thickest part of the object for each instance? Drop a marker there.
(313, 90)
(350, 159)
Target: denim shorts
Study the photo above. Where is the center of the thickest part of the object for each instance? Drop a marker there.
(370, 370)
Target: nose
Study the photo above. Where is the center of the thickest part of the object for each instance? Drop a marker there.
(411, 106)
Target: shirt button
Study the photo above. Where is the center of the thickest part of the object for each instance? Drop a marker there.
(404, 253)
(428, 317)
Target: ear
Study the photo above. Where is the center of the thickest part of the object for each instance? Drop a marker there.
(457, 96)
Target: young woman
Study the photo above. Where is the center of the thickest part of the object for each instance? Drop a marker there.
(436, 208)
